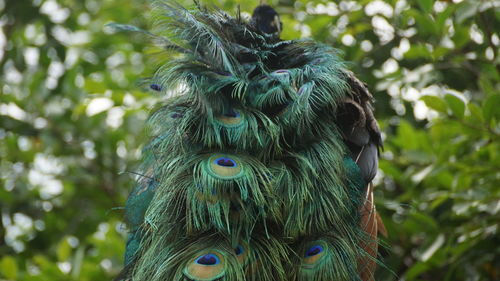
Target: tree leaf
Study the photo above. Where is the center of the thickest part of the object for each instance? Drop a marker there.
(418, 51)
(466, 10)
(491, 107)
(435, 103)
(456, 105)
(461, 36)
(426, 5)
(476, 112)
(426, 23)
(486, 85)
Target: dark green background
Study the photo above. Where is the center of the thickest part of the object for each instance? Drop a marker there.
(433, 66)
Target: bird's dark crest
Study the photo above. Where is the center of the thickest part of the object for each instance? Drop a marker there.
(267, 20)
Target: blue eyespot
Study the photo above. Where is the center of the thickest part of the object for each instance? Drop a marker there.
(208, 259)
(314, 250)
(176, 115)
(239, 250)
(318, 61)
(232, 114)
(225, 162)
(155, 87)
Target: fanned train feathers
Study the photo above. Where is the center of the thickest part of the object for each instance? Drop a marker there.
(260, 161)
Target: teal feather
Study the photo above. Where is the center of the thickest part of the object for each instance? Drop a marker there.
(337, 261)
(133, 245)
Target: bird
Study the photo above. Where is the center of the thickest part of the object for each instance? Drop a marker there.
(260, 159)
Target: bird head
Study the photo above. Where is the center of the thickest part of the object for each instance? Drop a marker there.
(267, 20)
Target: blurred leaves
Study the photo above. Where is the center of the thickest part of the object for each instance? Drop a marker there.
(72, 110)
(8, 267)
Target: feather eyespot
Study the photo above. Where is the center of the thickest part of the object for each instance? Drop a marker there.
(225, 167)
(314, 254)
(225, 162)
(155, 87)
(314, 250)
(232, 114)
(230, 119)
(206, 266)
(208, 259)
(282, 75)
(239, 250)
(318, 61)
(281, 71)
(242, 251)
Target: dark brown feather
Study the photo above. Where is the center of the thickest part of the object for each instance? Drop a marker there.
(359, 127)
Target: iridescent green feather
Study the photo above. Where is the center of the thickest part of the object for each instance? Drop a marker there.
(245, 154)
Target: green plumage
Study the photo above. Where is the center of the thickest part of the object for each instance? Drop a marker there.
(245, 156)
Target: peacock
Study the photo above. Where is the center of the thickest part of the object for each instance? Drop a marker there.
(260, 159)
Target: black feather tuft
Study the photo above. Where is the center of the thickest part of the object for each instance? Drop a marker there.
(267, 20)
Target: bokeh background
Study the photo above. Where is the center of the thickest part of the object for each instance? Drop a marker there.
(72, 111)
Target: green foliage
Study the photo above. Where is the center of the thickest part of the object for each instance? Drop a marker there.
(8, 267)
(72, 109)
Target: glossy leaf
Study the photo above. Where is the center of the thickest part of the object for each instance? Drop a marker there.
(491, 107)
(456, 105)
(435, 103)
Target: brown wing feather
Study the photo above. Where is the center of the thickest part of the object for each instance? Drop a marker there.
(368, 264)
(361, 134)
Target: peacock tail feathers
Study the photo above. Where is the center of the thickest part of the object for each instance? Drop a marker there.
(209, 256)
(260, 158)
(332, 258)
(228, 192)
